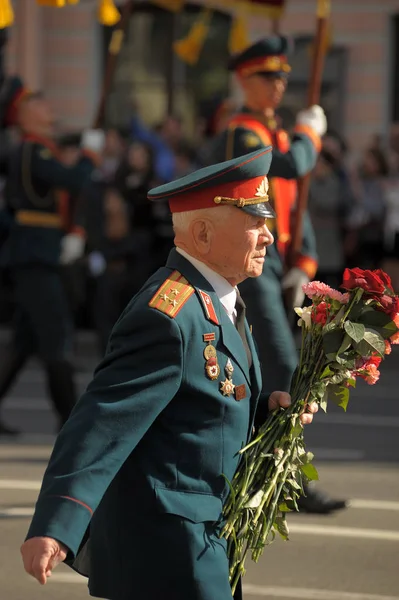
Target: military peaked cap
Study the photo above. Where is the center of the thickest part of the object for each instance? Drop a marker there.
(268, 55)
(240, 182)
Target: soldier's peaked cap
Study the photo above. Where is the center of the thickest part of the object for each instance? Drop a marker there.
(268, 55)
(240, 182)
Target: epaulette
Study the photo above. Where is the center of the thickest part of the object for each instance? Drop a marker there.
(172, 295)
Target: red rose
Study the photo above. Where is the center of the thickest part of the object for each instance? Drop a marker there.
(384, 278)
(367, 280)
(390, 304)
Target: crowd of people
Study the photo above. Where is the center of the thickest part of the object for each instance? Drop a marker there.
(353, 206)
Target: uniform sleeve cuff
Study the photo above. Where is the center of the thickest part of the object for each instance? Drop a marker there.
(310, 133)
(63, 518)
(307, 264)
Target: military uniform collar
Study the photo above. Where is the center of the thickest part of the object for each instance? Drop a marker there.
(226, 293)
(269, 122)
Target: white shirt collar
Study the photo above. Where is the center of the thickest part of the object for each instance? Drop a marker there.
(226, 293)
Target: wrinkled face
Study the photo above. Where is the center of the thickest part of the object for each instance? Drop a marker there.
(264, 91)
(236, 248)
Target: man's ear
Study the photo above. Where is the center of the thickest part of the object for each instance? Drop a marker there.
(201, 231)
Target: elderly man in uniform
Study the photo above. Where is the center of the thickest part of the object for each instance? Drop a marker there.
(262, 71)
(134, 489)
(38, 241)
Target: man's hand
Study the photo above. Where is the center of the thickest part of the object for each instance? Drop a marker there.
(292, 284)
(41, 555)
(315, 118)
(283, 400)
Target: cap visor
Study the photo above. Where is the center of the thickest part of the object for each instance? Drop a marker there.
(263, 209)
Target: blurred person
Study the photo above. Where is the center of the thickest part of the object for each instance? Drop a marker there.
(132, 497)
(391, 228)
(118, 256)
(214, 118)
(329, 203)
(38, 243)
(185, 159)
(162, 141)
(262, 71)
(113, 152)
(367, 218)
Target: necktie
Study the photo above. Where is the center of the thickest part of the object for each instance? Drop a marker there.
(240, 326)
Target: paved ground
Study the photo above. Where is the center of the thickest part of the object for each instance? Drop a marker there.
(353, 555)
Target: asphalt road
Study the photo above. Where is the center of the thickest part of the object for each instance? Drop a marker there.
(352, 555)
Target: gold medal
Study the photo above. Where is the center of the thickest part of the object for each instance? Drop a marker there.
(209, 352)
(213, 371)
(227, 387)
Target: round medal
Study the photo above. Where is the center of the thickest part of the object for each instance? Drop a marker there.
(210, 352)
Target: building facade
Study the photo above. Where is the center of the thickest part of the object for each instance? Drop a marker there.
(63, 52)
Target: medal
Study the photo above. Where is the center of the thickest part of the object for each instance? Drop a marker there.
(212, 368)
(227, 386)
(210, 352)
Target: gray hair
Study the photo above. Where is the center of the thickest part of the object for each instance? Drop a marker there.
(183, 220)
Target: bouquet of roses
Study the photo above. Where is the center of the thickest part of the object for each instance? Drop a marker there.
(344, 336)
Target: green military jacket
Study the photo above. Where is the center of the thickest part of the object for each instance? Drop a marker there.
(143, 459)
(36, 178)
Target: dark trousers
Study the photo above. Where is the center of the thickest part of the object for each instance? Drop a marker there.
(42, 326)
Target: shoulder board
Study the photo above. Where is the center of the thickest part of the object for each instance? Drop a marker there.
(172, 295)
(247, 121)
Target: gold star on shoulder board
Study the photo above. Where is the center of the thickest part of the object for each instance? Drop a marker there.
(164, 297)
(174, 291)
(173, 302)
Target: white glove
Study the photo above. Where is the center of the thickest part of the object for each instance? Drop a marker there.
(72, 248)
(314, 117)
(294, 280)
(96, 263)
(93, 140)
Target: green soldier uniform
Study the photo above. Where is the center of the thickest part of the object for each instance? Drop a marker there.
(139, 465)
(43, 323)
(264, 296)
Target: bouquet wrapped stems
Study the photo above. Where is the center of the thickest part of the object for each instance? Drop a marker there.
(344, 336)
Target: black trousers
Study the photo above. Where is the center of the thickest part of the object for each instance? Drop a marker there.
(42, 326)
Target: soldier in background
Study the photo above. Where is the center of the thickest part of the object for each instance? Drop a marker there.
(39, 241)
(262, 71)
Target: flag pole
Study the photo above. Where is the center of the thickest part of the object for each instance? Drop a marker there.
(114, 50)
(314, 90)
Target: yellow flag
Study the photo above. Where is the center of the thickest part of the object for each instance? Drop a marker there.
(108, 14)
(6, 14)
(238, 39)
(173, 5)
(189, 48)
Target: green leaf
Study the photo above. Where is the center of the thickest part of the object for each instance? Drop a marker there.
(310, 472)
(327, 372)
(284, 507)
(351, 382)
(280, 524)
(372, 342)
(332, 341)
(355, 331)
(378, 321)
(339, 394)
(323, 402)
